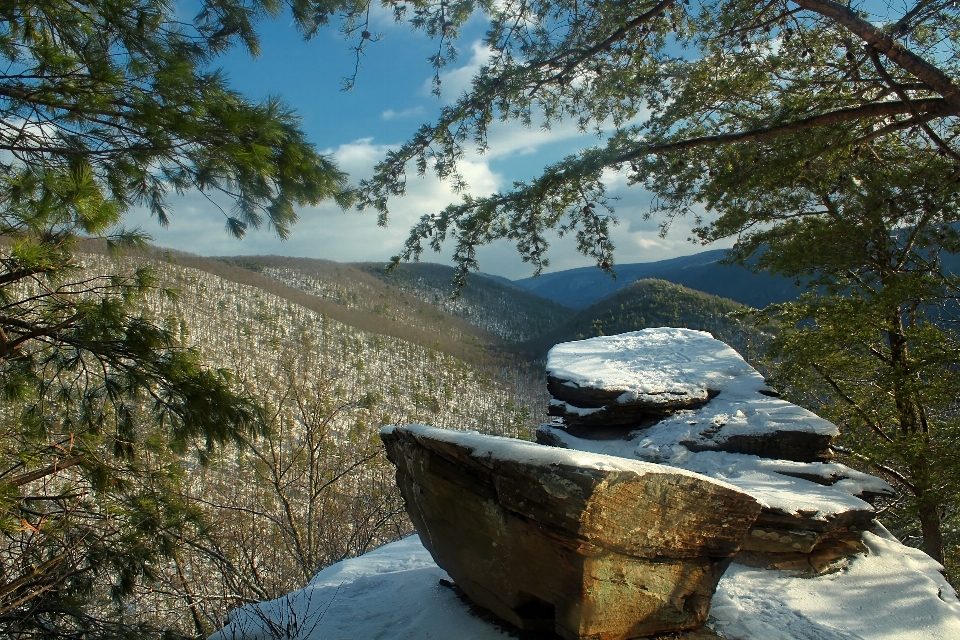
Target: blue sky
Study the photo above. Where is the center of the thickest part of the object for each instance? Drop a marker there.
(390, 100)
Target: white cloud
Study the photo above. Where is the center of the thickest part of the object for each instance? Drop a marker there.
(327, 232)
(390, 114)
(506, 139)
(456, 80)
(324, 231)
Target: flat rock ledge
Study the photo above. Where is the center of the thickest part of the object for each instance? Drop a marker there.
(584, 545)
(633, 380)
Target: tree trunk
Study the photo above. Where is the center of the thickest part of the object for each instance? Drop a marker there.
(928, 507)
(932, 533)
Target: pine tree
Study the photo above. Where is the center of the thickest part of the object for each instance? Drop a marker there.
(106, 106)
(715, 86)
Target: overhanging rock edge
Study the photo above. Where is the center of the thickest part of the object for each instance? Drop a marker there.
(586, 545)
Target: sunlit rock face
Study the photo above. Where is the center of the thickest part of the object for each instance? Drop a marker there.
(680, 398)
(585, 545)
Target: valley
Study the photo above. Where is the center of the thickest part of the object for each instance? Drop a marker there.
(331, 352)
(327, 353)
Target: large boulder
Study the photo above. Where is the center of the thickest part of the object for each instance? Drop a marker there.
(813, 510)
(587, 546)
(812, 515)
(633, 380)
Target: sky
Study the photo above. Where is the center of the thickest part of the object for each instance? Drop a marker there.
(391, 98)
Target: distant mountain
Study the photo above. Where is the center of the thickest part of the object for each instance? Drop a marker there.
(415, 296)
(657, 303)
(505, 281)
(487, 302)
(578, 288)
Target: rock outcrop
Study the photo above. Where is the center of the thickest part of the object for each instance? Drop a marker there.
(637, 379)
(733, 428)
(585, 545)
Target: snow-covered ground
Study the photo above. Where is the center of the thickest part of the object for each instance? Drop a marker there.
(392, 592)
(894, 593)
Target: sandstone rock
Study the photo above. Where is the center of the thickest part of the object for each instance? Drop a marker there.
(583, 420)
(801, 446)
(765, 539)
(756, 424)
(588, 546)
(829, 555)
(646, 369)
(657, 400)
(694, 385)
(813, 514)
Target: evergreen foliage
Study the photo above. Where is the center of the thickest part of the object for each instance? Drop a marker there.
(105, 106)
(875, 344)
(730, 86)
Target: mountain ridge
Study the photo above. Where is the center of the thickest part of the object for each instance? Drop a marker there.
(582, 286)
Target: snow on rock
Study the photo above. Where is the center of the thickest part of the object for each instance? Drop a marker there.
(567, 408)
(717, 438)
(647, 365)
(392, 593)
(813, 510)
(885, 592)
(774, 483)
(699, 388)
(894, 593)
(487, 447)
(780, 485)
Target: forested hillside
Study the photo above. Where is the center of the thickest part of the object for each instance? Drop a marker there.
(508, 311)
(268, 512)
(352, 296)
(326, 353)
(657, 303)
(417, 294)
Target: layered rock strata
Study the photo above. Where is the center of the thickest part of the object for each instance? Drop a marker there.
(734, 429)
(585, 545)
(637, 379)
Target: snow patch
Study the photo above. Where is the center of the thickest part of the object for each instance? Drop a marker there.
(649, 363)
(769, 481)
(894, 593)
(392, 592)
(569, 409)
(510, 449)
